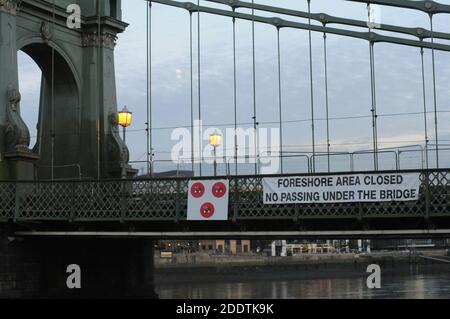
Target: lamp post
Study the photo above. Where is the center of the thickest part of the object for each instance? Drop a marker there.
(215, 140)
(124, 119)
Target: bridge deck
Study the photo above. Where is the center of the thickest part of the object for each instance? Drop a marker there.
(161, 205)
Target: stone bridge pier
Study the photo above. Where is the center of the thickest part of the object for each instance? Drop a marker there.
(109, 267)
(77, 137)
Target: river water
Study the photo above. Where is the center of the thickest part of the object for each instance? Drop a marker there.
(409, 284)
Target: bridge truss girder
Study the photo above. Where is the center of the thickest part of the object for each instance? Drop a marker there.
(160, 205)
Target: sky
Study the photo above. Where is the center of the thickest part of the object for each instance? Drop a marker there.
(397, 69)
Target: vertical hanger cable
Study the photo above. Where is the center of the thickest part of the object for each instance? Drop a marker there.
(424, 108)
(434, 92)
(149, 92)
(99, 42)
(199, 85)
(313, 133)
(255, 122)
(52, 129)
(235, 97)
(326, 98)
(280, 101)
(373, 94)
(191, 55)
(374, 106)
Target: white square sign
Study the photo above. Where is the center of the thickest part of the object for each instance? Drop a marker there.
(208, 200)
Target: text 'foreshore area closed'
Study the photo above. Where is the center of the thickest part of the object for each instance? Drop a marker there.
(349, 188)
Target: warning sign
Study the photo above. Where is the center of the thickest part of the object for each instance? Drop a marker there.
(341, 188)
(208, 200)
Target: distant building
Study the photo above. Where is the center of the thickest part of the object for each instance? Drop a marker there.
(176, 246)
(279, 248)
(405, 244)
(233, 247)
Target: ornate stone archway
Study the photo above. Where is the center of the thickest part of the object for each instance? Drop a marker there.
(77, 131)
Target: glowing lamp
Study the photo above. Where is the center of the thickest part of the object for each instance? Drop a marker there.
(124, 117)
(215, 139)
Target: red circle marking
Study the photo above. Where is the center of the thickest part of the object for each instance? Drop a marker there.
(207, 210)
(197, 190)
(219, 190)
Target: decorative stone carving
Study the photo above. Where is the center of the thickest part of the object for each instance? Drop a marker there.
(107, 40)
(17, 135)
(46, 31)
(9, 6)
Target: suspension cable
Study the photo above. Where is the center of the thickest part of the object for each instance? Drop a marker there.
(235, 96)
(424, 109)
(313, 134)
(373, 93)
(280, 101)
(149, 92)
(255, 123)
(328, 19)
(377, 37)
(199, 83)
(326, 98)
(434, 92)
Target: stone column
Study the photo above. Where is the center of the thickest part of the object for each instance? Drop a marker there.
(16, 159)
(100, 111)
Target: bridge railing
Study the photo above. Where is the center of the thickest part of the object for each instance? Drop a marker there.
(398, 158)
(165, 199)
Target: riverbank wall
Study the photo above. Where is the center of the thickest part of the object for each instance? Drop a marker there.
(207, 268)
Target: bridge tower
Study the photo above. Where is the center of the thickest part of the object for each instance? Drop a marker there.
(77, 136)
(77, 129)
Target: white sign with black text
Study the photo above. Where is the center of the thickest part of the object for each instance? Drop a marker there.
(341, 188)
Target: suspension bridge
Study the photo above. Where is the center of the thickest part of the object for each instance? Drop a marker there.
(100, 200)
(95, 194)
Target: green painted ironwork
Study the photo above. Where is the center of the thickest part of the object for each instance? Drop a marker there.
(428, 6)
(277, 22)
(329, 19)
(154, 200)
